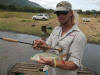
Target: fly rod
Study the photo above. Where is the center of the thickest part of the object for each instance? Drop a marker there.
(17, 41)
(13, 40)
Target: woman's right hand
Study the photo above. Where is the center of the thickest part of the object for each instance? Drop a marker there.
(40, 45)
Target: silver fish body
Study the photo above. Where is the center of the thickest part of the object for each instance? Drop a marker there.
(36, 57)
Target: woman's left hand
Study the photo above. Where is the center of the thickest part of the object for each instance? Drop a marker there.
(47, 61)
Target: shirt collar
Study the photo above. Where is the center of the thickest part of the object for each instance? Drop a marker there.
(74, 28)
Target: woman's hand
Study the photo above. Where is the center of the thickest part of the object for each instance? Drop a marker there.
(40, 44)
(47, 61)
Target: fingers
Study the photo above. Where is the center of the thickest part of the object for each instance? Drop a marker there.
(40, 44)
(37, 44)
(42, 60)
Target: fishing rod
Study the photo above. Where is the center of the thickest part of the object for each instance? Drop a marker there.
(13, 40)
(17, 41)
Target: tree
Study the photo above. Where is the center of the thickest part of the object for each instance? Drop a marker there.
(2, 7)
(79, 11)
(94, 12)
(11, 7)
(98, 12)
(88, 12)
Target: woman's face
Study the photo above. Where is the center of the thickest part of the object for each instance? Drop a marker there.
(64, 18)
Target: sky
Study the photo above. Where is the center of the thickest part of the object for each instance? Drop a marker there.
(76, 4)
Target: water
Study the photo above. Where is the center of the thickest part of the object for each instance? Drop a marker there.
(92, 58)
(11, 53)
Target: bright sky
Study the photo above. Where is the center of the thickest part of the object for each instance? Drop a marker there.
(76, 4)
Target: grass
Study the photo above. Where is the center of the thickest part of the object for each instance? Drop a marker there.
(22, 22)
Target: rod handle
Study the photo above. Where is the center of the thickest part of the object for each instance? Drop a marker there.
(10, 40)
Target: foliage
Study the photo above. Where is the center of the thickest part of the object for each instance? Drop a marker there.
(25, 9)
(88, 12)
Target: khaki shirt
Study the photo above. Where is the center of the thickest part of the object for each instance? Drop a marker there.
(73, 44)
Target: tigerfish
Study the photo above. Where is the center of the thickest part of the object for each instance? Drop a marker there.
(36, 57)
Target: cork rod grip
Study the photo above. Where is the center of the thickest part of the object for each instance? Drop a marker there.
(10, 40)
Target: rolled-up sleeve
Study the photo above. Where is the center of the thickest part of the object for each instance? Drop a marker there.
(77, 49)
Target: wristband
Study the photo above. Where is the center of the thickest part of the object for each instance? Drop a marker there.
(54, 62)
(63, 61)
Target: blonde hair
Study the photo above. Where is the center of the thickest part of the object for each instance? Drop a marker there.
(75, 18)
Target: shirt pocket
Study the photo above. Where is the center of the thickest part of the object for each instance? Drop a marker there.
(66, 42)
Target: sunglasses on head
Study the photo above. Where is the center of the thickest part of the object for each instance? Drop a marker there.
(58, 13)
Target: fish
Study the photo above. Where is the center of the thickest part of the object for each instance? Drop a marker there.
(52, 56)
